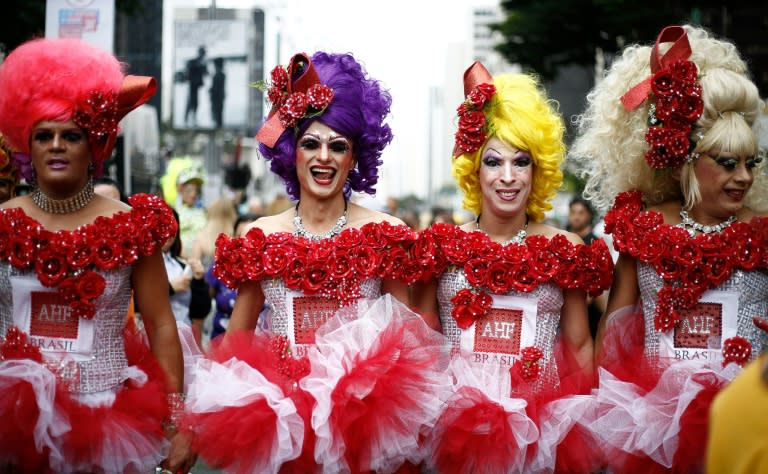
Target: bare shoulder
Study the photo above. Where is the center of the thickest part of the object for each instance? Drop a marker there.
(282, 222)
(548, 231)
(359, 216)
(18, 201)
(669, 209)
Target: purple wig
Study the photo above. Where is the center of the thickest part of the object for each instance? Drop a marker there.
(357, 111)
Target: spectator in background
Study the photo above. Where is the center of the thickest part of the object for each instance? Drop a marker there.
(580, 219)
(108, 187)
(221, 294)
(218, 92)
(192, 214)
(181, 278)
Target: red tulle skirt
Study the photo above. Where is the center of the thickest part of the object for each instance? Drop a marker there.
(48, 429)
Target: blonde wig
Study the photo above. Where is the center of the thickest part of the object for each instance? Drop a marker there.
(610, 148)
(521, 115)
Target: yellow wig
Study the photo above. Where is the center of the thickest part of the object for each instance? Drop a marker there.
(521, 115)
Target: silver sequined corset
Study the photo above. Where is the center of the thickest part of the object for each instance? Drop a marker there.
(541, 326)
(752, 290)
(97, 365)
(282, 319)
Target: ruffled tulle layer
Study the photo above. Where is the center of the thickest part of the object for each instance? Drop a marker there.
(47, 429)
(376, 384)
(652, 419)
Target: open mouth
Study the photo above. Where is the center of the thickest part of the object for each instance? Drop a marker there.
(507, 195)
(736, 194)
(323, 175)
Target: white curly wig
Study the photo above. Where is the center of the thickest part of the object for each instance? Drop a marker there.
(609, 151)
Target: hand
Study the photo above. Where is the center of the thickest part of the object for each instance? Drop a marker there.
(180, 284)
(197, 268)
(180, 458)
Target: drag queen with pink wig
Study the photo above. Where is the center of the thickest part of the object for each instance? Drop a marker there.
(80, 391)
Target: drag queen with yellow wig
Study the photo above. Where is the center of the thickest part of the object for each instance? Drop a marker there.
(510, 291)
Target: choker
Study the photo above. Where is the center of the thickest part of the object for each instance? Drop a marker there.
(517, 239)
(64, 206)
(335, 230)
(692, 226)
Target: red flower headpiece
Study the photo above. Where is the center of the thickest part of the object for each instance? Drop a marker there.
(478, 90)
(293, 99)
(677, 102)
(99, 113)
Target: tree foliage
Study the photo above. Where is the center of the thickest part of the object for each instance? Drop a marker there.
(544, 35)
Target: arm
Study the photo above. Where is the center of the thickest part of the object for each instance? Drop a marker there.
(624, 293)
(248, 305)
(574, 327)
(150, 286)
(397, 289)
(424, 297)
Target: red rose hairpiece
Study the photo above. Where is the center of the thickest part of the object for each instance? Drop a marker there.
(478, 90)
(677, 102)
(99, 113)
(293, 99)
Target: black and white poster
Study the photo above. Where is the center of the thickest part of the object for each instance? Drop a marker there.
(210, 80)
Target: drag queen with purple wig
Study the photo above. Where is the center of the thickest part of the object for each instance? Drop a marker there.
(338, 376)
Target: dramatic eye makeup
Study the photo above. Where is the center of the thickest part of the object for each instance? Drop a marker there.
(336, 145)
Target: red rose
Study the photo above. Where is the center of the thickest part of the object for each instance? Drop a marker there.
(397, 233)
(545, 265)
(469, 141)
(106, 253)
(319, 96)
(471, 122)
(516, 253)
(687, 109)
(350, 237)
(275, 259)
(662, 83)
(293, 109)
(476, 271)
(50, 267)
(365, 259)
(686, 252)
(531, 354)
(468, 306)
(736, 349)
(486, 89)
(90, 285)
(392, 262)
(719, 269)
(648, 220)
(498, 278)
(279, 77)
(652, 247)
(684, 70)
(443, 231)
(315, 275)
(562, 247)
(22, 251)
(255, 238)
(68, 289)
(341, 265)
(83, 309)
(15, 346)
(522, 278)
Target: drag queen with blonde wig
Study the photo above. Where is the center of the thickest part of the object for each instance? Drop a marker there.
(510, 291)
(668, 139)
(339, 375)
(80, 391)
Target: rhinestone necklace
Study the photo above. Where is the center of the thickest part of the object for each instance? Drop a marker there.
(692, 226)
(335, 230)
(517, 239)
(64, 206)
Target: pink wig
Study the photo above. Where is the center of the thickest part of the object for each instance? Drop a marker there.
(51, 79)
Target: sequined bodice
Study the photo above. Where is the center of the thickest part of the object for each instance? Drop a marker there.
(82, 366)
(296, 316)
(496, 341)
(751, 288)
